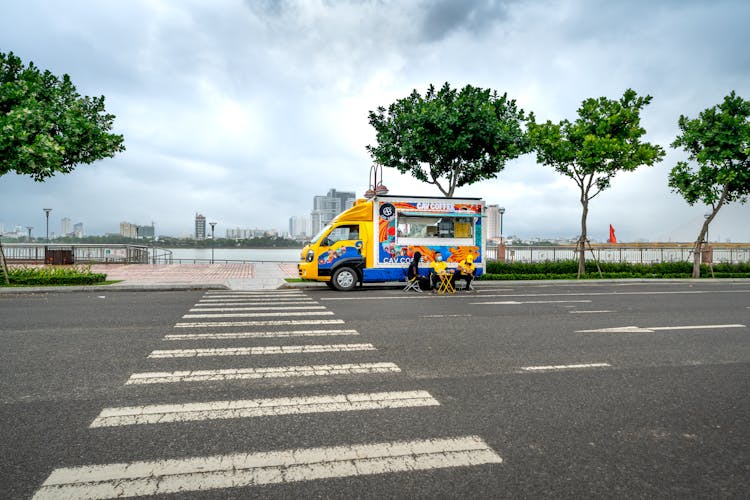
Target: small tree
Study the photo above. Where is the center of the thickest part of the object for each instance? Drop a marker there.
(46, 127)
(449, 138)
(604, 140)
(719, 142)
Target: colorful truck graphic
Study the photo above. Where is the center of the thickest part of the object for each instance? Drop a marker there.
(375, 240)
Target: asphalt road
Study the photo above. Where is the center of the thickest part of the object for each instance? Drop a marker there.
(565, 391)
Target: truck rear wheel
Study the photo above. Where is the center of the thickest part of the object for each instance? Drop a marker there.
(344, 279)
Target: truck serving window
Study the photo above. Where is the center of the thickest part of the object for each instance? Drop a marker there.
(428, 227)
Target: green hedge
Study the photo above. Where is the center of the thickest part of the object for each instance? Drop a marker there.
(568, 269)
(52, 275)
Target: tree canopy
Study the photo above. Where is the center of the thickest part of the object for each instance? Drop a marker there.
(605, 139)
(718, 147)
(449, 138)
(46, 127)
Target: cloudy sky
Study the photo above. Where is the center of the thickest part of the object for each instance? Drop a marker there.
(244, 110)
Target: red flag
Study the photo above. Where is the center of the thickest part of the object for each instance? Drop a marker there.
(612, 238)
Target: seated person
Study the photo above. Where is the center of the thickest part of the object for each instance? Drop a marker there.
(466, 271)
(437, 266)
(413, 271)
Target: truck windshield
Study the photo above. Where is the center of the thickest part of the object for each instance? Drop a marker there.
(316, 238)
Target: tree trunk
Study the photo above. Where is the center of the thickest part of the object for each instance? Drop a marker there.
(4, 265)
(698, 250)
(582, 240)
(700, 242)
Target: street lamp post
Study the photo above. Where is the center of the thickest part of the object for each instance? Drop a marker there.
(46, 212)
(29, 228)
(502, 241)
(213, 224)
(502, 211)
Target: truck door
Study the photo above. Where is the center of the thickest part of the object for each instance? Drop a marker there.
(342, 246)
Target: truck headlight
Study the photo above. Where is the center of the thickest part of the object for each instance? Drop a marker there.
(310, 256)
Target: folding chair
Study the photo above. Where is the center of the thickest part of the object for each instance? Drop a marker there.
(413, 284)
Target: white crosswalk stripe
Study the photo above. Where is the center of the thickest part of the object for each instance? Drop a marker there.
(249, 351)
(246, 469)
(159, 414)
(259, 335)
(254, 302)
(280, 322)
(258, 308)
(261, 373)
(258, 314)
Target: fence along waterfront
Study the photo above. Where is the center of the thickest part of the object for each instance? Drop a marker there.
(641, 253)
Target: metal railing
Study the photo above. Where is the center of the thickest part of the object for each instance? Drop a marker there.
(641, 253)
(39, 253)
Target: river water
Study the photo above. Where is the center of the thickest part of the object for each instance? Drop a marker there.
(203, 255)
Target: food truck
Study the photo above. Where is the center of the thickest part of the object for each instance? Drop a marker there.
(374, 241)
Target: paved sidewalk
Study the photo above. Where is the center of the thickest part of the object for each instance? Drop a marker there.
(249, 276)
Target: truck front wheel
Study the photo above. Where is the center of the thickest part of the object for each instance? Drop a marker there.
(344, 279)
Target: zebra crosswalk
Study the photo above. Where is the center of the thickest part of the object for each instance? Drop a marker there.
(283, 315)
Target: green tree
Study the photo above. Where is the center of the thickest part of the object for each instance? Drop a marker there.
(46, 127)
(718, 141)
(604, 140)
(449, 138)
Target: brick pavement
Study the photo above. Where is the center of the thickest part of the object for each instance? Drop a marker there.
(236, 276)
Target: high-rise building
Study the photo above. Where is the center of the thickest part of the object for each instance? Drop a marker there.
(146, 231)
(128, 230)
(66, 227)
(325, 208)
(300, 227)
(493, 221)
(200, 227)
(78, 230)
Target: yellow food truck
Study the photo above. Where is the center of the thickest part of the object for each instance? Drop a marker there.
(375, 240)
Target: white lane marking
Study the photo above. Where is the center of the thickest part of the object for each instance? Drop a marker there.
(652, 329)
(260, 308)
(589, 312)
(576, 294)
(257, 335)
(280, 322)
(251, 351)
(159, 414)
(260, 373)
(271, 467)
(513, 302)
(565, 367)
(257, 315)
